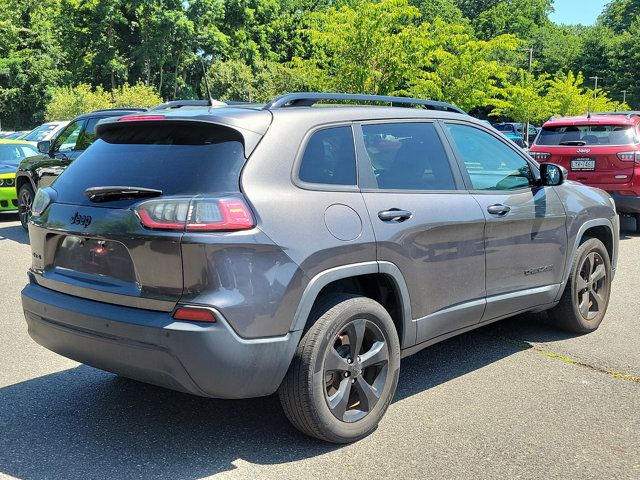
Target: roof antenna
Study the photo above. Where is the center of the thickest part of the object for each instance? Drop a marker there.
(212, 102)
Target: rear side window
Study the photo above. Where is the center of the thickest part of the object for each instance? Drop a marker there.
(576, 135)
(88, 136)
(175, 158)
(407, 156)
(329, 158)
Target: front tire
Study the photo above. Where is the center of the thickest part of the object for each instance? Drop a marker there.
(586, 295)
(638, 223)
(25, 201)
(345, 371)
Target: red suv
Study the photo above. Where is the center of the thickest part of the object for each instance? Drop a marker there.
(601, 150)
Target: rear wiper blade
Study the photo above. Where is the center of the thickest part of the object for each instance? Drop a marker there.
(110, 193)
(577, 143)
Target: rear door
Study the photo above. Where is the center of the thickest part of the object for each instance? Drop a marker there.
(424, 223)
(100, 249)
(525, 235)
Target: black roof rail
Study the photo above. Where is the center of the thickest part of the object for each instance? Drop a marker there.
(308, 99)
(188, 103)
(620, 112)
(123, 109)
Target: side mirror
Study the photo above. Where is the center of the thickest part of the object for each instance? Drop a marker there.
(552, 175)
(44, 146)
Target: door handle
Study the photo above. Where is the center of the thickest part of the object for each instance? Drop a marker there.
(498, 209)
(394, 215)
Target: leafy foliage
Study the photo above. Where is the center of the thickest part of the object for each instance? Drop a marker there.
(68, 102)
(468, 52)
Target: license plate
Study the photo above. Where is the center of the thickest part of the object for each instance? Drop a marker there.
(583, 164)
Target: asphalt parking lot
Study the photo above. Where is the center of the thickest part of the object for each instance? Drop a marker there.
(517, 399)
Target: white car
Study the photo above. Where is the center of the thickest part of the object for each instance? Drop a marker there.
(46, 131)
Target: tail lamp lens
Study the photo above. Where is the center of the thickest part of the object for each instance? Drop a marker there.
(540, 156)
(204, 215)
(630, 156)
(40, 202)
(194, 314)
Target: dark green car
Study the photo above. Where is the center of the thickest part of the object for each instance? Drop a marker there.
(55, 156)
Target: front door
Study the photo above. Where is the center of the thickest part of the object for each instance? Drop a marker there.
(525, 235)
(424, 224)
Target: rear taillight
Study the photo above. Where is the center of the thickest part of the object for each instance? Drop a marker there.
(630, 156)
(194, 314)
(540, 156)
(203, 215)
(141, 118)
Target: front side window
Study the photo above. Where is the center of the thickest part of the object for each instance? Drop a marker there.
(329, 158)
(407, 156)
(66, 141)
(490, 163)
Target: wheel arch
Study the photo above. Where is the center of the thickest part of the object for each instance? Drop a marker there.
(600, 228)
(381, 281)
(22, 178)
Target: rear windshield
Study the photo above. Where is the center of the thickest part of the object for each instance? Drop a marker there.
(503, 127)
(175, 158)
(587, 135)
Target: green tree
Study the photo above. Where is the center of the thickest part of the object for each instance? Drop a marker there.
(524, 100)
(69, 102)
(619, 14)
(462, 70)
(372, 47)
(519, 17)
(138, 95)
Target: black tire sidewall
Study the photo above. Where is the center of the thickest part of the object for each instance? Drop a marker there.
(585, 249)
(356, 308)
(27, 188)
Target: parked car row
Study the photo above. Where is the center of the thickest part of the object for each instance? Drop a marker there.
(601, 150)
(238, 251)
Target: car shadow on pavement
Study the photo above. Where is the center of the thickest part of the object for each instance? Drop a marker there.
(627, 228)
(15, 232)
(84, 423)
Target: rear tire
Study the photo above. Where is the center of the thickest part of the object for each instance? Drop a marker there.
(25, 201)
(586, 295)
(345, 371)
(638, 223)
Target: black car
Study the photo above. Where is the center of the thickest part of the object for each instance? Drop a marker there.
(56, 154)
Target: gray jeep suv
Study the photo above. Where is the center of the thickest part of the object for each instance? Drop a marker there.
(236, 251)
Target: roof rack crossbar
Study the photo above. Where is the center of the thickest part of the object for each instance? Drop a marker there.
(308, 99)
(188, 103)
(628, 113)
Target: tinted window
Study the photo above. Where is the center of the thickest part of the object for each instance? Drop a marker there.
(491, 164)
(88, 136)
(329, 158)
(176, 159)
(66, 141)
(407, 156)
(587, 135)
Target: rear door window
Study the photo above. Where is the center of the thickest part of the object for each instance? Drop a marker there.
(407, 156)
(577, 135)
(175, 158)
(329, 158)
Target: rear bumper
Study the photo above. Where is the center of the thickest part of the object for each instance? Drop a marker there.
(208, 360)
(626, 204)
